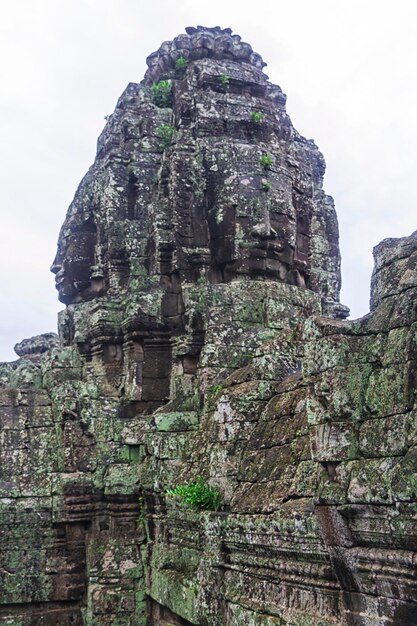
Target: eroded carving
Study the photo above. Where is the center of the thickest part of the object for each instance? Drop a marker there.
(203, 336)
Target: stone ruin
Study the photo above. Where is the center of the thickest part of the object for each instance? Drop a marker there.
(203, 337)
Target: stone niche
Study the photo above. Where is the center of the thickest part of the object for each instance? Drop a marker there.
(203, 336)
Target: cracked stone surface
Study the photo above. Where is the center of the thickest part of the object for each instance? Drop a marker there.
(203, 336)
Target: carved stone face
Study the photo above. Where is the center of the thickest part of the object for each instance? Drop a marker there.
(205, 205)
(253, 226)
(252, 231)
(73, 265)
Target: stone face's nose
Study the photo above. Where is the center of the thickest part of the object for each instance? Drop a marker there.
(55, 267)
(57, 263)
(264, 230)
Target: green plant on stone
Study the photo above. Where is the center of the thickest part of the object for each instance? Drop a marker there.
(181, 63)
(215, 390)
(293, 446)
(165, 134)
(141, 516)
(266, 185)
(161, 93)
(294, 442)
(266, 161)
(197, 494)
(257, 117)
(224, 79)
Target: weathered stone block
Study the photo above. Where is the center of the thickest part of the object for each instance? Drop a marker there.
(203, 337)
(176, 421)
(335, 441)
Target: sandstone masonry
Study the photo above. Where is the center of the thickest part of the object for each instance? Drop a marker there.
(203, 340)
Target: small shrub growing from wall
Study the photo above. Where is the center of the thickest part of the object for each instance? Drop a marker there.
(161, 93)
(165, 134)
(266, 161)
(198, 494)
(257, 117)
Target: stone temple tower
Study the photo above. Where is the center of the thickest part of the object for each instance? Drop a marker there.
(203, 347)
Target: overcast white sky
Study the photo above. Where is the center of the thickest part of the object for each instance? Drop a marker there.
(348, 67)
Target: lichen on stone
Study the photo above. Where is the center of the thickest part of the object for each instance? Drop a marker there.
(203, 339)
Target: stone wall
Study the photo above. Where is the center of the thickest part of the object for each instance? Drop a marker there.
(203, 340)
(318, 475)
